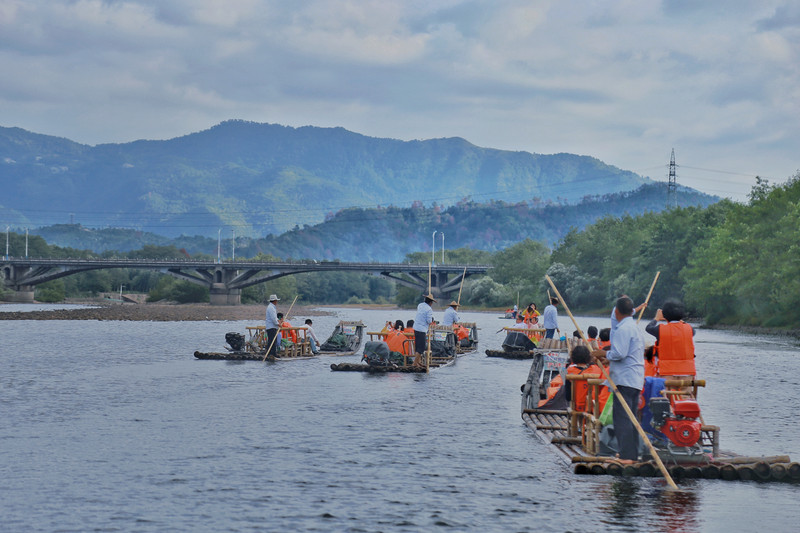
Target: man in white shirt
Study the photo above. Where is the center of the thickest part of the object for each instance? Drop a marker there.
(451, 315)
(421, 322)
(272, 325)
(626, 369)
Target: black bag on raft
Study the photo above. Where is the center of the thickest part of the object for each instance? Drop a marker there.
(376, 353)
(235, 340)
(517, 341)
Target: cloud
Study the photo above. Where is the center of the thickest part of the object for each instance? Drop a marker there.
(623, 80)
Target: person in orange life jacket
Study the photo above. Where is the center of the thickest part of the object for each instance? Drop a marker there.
(396, 339)
(674, 340)
(581, 364)
(531, 315)
(604, 339)
(599, 358)
(650, 362)
(290, 334)
(591, 333)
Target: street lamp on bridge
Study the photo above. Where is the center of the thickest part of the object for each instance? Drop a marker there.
(433, 248)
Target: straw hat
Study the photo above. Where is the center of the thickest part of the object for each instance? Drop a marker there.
(453, 303)
(429, 296)
(274, 298)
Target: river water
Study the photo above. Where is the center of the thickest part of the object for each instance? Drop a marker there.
(115, 426)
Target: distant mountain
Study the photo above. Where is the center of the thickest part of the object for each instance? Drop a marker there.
(264, 178)
(388, 234)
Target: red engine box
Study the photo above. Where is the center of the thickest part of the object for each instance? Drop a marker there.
(686, 408)
(682, 432)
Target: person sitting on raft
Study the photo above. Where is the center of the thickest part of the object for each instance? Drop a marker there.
(581, 359)
(396, 339)
(604, 339)
(674, 341)
(312, 337)
(531, 315)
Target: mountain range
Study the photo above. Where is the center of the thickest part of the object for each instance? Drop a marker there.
(257, 180)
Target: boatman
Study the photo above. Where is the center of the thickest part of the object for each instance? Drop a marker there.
(550, 319)
(272, 325)
(626, 370)
(450, 317)
(421, 322)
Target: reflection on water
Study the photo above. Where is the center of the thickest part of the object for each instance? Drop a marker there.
(115, 426)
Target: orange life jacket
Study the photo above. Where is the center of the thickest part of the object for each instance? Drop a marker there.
(581, 388)
(552, 388)
(651, 368)
(461, 332)
(397, 342)
(675, 350)
(290, 334)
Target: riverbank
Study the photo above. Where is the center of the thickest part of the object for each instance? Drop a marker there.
(155, 312)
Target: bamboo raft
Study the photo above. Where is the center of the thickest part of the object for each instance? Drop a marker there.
(255, 347)
(443, 339)
(249, 356)
(511, 354)
(574, 435)
(353, 333)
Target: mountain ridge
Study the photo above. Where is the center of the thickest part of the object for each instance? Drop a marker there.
(248, 174)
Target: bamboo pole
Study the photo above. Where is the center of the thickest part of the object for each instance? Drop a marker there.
(653, 286)
(429, 277)
(619, 397)
(276, 336)
(463, 276)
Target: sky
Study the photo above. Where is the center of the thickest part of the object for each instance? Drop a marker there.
(625, 81)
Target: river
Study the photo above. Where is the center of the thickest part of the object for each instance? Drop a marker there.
(115, 426)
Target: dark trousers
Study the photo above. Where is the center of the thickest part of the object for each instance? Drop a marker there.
(420, 342)
(272, 342)
(548, 333)
(625, 431)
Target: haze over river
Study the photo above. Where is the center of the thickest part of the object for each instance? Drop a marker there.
(115, 426)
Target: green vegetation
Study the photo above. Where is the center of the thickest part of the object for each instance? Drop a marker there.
(731, 263)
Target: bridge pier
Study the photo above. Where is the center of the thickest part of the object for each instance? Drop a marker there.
(221, 295)
(21, 295)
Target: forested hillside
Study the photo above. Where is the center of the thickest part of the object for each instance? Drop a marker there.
(265, 178)
(389, 234)
(731, 263)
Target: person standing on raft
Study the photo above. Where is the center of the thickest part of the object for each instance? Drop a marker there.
(272, 324)
(421, 322)
(450, 317)
(550, 319)
(626, 369)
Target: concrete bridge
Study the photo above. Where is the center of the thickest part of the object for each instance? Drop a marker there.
(225, 280)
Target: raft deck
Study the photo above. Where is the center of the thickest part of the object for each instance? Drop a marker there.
(574, 436)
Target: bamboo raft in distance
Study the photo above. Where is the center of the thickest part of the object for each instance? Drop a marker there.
(573, 435)
(552, 345)
(430, 361)
(353, 330)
